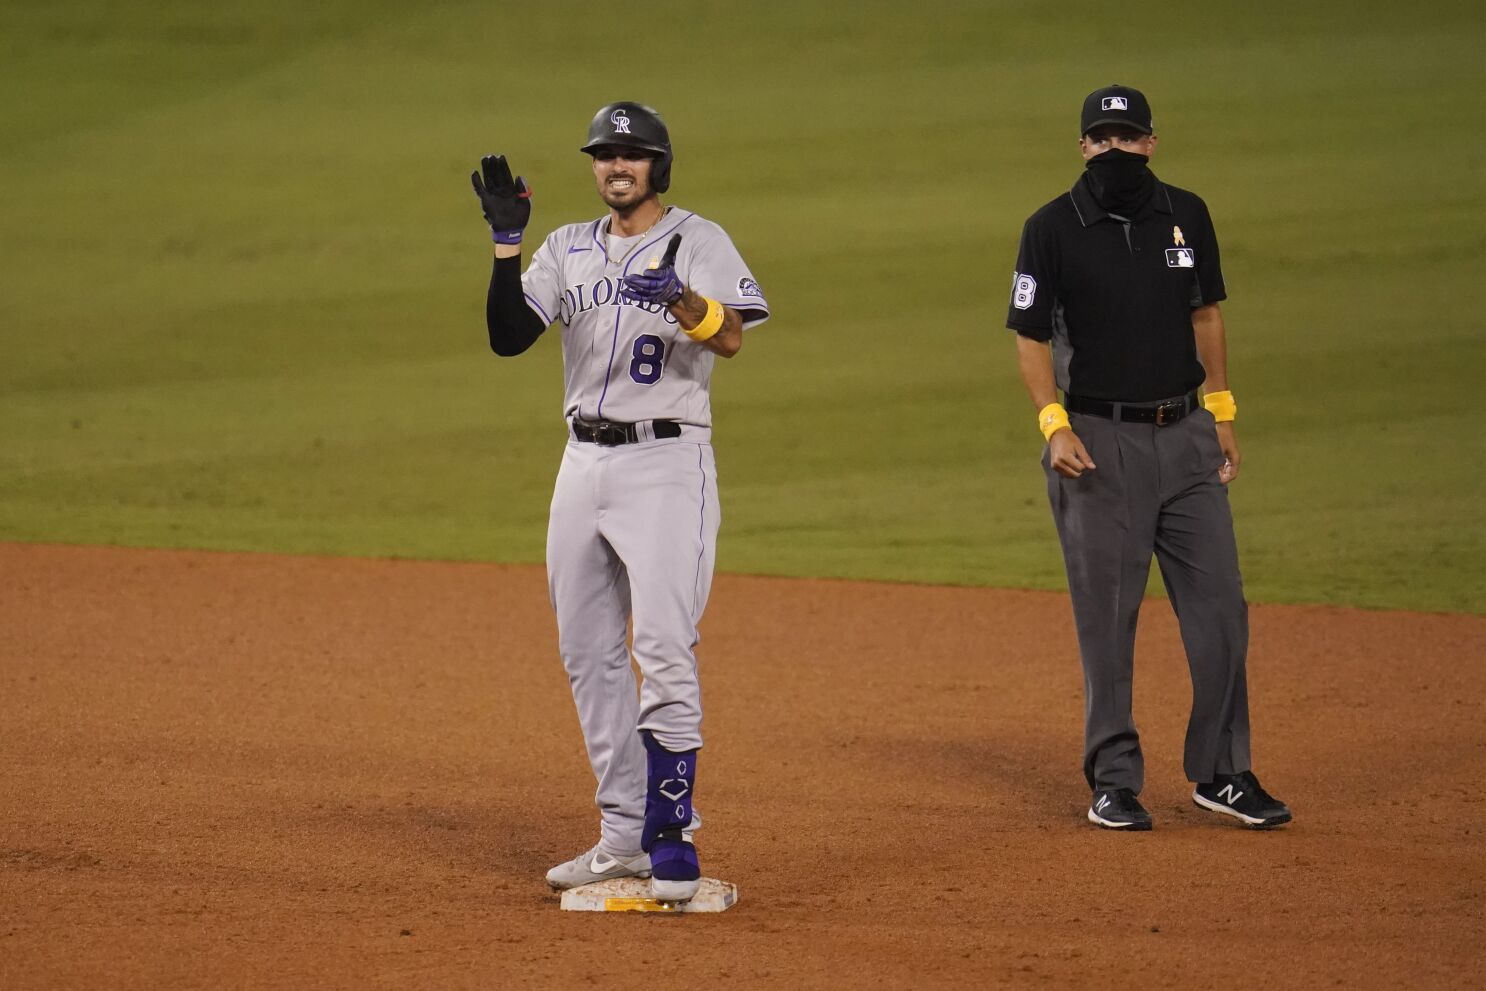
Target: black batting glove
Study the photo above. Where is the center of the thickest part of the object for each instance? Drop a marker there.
(506, 202)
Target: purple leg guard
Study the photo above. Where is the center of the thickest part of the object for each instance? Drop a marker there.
(670, 779)
(674, 859)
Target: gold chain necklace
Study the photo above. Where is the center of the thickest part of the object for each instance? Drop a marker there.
(609, 227)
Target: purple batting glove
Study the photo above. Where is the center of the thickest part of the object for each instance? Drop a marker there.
(656, 285)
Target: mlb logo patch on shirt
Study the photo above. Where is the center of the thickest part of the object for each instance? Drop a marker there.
(1180, 258)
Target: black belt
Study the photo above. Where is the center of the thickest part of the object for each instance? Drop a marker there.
(1162, 414)
(607, 433)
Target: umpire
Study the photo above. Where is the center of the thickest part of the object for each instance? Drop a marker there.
(1120, 275)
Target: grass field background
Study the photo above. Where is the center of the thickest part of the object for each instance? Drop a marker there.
(244, 274)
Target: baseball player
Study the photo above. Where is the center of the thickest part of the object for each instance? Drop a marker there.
(647, 296)
(1121, 275)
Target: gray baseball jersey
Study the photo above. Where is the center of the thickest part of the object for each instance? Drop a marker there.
(633, 528)
(628, 361)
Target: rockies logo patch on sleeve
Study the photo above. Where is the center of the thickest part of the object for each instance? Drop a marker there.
(747, 287)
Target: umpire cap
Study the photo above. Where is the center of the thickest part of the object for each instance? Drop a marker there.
(634, 125)
(1116, 105)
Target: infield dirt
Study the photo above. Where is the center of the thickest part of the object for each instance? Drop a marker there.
(226, 770)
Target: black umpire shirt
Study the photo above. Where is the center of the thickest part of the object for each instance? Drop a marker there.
(1115, 295)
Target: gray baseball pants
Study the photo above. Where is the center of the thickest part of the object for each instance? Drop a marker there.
(1155, 490)
(633, 532)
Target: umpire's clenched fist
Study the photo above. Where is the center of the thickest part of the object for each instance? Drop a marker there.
(1067, 454)
(506, 202)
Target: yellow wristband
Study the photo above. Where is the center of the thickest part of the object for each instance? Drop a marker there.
(710, 324)
(1220, 405)
(1052, 418)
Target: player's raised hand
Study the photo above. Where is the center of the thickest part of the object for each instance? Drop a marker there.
(659, 283)
(506, 202)
(1067, 454)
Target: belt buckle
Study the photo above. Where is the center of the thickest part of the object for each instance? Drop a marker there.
(606, 434)
(1169, 413)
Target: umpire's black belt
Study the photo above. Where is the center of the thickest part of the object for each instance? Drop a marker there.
(607, 433)
(1161, 414)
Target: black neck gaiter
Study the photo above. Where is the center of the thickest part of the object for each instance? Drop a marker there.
(1121, 181)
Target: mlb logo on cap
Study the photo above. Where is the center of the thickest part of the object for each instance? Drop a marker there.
(1116, 104)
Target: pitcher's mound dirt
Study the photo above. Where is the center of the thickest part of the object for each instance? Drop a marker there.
(222, 770)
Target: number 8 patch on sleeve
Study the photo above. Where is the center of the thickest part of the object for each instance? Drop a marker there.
(1023, 291)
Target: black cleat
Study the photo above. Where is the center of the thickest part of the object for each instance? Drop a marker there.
(1240, 796)
(1118, 809)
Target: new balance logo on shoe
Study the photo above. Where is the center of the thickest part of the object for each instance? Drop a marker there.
(1242, 797)
(1118, 809)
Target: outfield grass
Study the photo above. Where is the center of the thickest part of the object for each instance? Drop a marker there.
(244, 275)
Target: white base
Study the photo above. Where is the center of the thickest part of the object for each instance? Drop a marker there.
(632, 894)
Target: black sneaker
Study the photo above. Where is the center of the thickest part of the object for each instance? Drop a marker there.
(1118, 809)
(1240, 796)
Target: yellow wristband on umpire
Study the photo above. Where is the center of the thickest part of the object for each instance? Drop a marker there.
(1220, 405)
(1052, 418)
(710, 324)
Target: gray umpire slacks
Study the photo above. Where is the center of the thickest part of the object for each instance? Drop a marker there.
(1155, 490)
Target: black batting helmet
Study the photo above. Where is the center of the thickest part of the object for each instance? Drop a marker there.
(634, 125)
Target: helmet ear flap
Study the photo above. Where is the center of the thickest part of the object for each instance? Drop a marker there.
(660, 173)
